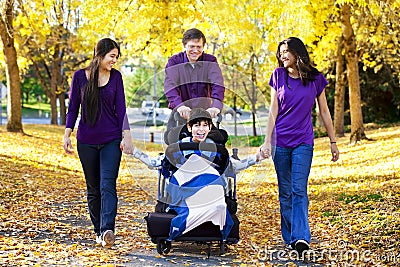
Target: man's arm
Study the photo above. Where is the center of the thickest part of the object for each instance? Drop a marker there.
(171, 84)
(217, 83)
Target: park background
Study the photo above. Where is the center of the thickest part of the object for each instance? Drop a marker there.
(355, 44)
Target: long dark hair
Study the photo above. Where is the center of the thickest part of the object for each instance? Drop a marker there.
(91, 91)
(307, 72)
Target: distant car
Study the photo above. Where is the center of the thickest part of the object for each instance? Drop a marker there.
(148, 107)
(231, 111)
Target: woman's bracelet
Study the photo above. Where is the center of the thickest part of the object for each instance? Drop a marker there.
(333, 142)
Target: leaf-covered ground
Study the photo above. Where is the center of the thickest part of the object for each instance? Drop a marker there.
(354, 208)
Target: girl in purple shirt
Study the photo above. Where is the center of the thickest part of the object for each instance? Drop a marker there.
(98, 92)
(289, 138)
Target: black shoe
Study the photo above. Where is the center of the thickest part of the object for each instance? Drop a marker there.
(300, 246)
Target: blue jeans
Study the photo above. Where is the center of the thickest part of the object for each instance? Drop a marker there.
(100, 165)
(292, 167)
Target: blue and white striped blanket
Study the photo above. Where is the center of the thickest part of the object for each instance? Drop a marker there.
(197, 195)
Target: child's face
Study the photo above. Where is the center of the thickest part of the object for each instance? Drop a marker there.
(199, 131)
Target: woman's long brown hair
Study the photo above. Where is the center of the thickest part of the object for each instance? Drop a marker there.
(91, 91)
(307, 72)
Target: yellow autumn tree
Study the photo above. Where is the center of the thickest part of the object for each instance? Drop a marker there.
(45, 34)
(242, 34)
(369, 36)
(246, 40)
(147, 29)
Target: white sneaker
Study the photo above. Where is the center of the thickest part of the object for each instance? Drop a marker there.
(98, 239)
(289, 247)
(108, 239)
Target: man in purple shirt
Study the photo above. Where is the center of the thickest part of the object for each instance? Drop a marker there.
(193, 79)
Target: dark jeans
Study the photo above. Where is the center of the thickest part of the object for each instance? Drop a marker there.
(100, 165)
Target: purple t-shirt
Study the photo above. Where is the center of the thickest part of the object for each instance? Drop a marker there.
(112, 117)
(194, 85)
(294, 121)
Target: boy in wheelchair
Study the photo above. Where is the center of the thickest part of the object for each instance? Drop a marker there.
(199, 176)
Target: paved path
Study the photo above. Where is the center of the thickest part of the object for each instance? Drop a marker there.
(182, 254)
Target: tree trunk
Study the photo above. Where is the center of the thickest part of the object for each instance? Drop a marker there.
(252, 95)
(62, 82)
(63, 109)
(55, 73)
(253, 108)
(14, 109)
(357, 126)
(339, 90)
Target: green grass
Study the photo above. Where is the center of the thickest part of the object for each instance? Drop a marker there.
(253, 141)
(359, 198)
(30, 106)
(37, 106)
(149, 122)
(29, 109)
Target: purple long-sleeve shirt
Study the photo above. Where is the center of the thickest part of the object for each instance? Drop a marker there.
(294, 121)
(112, 117)
(194, 85)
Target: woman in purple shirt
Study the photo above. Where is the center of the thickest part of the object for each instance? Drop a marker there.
(99, 92)
(289, 136)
